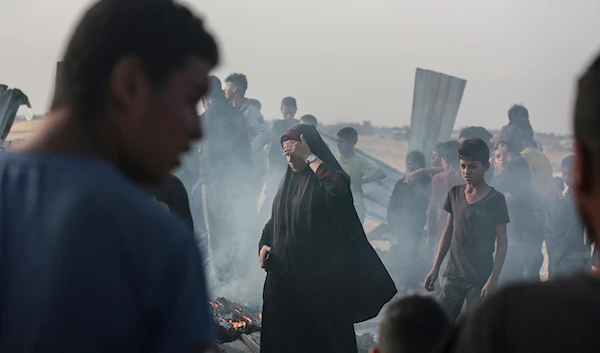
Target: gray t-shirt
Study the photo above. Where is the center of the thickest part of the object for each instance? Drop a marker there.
(474, 235)
(90, 263)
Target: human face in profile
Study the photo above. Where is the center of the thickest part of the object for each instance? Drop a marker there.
(436, 160)
(160, 125)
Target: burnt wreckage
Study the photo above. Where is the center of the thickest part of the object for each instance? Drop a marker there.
(238, 327)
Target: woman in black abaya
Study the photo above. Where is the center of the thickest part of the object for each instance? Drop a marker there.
(322, 274)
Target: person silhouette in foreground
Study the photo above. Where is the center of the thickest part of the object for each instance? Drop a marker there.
(414, 324)
(90, 262)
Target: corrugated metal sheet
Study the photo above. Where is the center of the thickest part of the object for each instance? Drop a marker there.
(377, 195)
(10, 101)
(436, 100)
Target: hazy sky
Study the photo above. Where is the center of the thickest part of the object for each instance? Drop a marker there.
(350, 60)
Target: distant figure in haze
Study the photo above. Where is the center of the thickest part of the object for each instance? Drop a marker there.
(90, 262)
(309, 120)
(435, 168)
(406, 215)
(476, 226)
(514, 181)
(414, 325)
(226, 164)
(437, 193)
(561, 315)
(360, 170)
(542, 174)
(258, 129)
(568, 251)
(289, 108)
(321, 269)
(436, 159)
(518, 114)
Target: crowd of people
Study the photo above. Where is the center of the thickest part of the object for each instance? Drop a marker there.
(98, 249)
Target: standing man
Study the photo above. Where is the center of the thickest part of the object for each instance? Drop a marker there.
(360, 170)
(289, 108)
(258, 130)
(568, 251)
(226, 191)
(89, 261)
(541, 171)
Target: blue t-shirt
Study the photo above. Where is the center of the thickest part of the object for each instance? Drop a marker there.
(90, 263)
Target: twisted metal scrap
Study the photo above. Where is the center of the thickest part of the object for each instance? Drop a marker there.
(10, 101)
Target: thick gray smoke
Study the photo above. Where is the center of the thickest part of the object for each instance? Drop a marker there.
(225, 211)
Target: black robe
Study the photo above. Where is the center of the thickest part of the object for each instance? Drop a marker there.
(323, 275)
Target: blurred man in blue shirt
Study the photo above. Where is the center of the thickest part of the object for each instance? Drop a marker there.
(89, 262)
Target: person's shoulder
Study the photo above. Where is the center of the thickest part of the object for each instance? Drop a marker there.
(560, 297)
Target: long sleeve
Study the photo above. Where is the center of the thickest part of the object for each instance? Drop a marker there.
(267, 234)
(334, 184)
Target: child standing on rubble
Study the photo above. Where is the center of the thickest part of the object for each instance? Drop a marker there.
(477, 218)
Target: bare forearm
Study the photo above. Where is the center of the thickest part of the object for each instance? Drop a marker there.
(379, 175)
(432, 170)
(430, 219)
(443, 248)
(501, 247)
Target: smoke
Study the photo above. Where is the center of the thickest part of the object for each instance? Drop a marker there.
(224, 203)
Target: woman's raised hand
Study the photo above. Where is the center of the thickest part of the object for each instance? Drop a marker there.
(298, 149)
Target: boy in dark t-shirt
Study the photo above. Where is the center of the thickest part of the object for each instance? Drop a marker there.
(477, 217)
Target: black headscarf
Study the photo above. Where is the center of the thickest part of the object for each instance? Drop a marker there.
(319, 234)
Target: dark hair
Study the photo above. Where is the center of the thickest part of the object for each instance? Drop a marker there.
(568, 161)
(215, 91)
(449, 151)
(240, 81)
(161, 34)
(414, 324)
(559, 183)
(475, 150)
(518, 111)
(417, 158)
(525, 127)
(438, 146)
(309, 119)
(476, 132)
(288, 102)
(587, 111)
(513, 147)
(349, 133)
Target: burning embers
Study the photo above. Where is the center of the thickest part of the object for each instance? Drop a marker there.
(233, 319)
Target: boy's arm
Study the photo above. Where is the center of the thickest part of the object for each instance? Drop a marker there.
(444, 243)
(501, 247)
(372, 173)
(431, 170)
